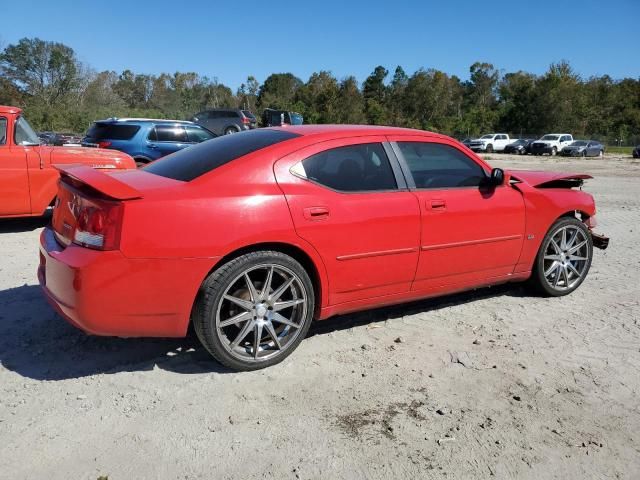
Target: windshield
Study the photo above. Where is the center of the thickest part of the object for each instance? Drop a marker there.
(520, 142)
(296, 119)
(550, 137)
(24, 134)
(579, 143)
(490, 135)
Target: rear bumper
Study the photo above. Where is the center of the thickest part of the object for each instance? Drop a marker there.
(106, 293)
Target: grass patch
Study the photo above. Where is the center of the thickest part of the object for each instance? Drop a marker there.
(619, 150)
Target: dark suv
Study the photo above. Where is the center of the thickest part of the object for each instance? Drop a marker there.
(225, 121)
(143, 138)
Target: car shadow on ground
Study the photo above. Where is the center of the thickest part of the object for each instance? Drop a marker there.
(27, 224)
(36, 343)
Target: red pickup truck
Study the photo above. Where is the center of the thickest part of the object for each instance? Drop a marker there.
(28, 177)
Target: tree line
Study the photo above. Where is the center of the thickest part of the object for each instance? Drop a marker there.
(58, 92)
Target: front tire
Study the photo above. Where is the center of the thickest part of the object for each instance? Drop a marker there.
(564, 258)
(554, 151)
(230, 131)
(253, 311)
(489, 149)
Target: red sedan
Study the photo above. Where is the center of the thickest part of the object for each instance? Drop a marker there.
(252, 236)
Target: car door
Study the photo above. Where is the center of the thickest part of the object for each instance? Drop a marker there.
(348, 199)
(469, 232)
(167, 139)
(564, 141)
(14, 175)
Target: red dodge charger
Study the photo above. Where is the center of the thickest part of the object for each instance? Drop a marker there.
(252, 236)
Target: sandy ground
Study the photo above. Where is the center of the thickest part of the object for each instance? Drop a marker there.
(493, 382)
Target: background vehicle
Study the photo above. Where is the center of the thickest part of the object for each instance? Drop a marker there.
(466, 141)
(583, 148)
(490, 142)
(145, 139)
(260, 228)
(277, 118)
(225, 121)
(551, 143)
(636, 152)
(28, 177)
(522, 146)
(51, 138)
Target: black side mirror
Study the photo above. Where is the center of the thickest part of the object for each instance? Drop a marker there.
(497, 177)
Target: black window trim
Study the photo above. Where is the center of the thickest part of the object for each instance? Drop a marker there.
(169, 141)
(409, 176)
(401, 184)
(6, 126)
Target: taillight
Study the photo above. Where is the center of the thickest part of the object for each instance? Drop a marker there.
(98, 224)
(104, 144)
(246, 120)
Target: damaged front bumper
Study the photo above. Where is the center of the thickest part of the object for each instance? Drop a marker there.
(600, 241)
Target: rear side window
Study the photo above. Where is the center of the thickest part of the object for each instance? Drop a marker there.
(434, 165)
(190, 163)
(171, 133)
(355, 168)
(112, 131)
(3, 130)
(197, 135)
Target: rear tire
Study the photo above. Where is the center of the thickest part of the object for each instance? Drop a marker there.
(238, 302)
(564, 258)
(141, 162)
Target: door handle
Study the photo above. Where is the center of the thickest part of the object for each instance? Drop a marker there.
(151, 145)
(438, 204)
(316, 213)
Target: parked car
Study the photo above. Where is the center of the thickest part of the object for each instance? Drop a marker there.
(466, 142)
(28, 168)
(636, 152)
(522, 146)
(551, 143)
(51, 138)
(224, 121)
(490, 142)
(258, 236)
(278, 118)
(583, 148)
(143, 138)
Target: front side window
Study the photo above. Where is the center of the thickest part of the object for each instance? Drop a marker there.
(3, 130)
(435, 165)
(24, 134)
(197, 135)
(171, 133)
(354, 168)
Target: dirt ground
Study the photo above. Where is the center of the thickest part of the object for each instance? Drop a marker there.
(491, 383)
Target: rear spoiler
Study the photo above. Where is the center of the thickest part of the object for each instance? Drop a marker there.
(107, 185)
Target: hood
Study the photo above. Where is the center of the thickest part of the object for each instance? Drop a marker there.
(541, 179)
(90, 157)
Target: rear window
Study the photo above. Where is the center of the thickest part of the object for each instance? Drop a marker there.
(248, 114)
(112, 131)
(190, 163)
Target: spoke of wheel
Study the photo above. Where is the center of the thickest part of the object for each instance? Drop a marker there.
(281, 319)
(577, 247)
(256, 340)
(246, 304)
(252, 289)
(565, 274)
(563, 242)
(550, 270)
(555, 258)
(267, 285)
(573, 238)
(283, 288)
(571, 267)
(272, 333)
(576, 257)
(289, 303)
(241, 336)
(241, 317)
(555, 246)
(558, 268)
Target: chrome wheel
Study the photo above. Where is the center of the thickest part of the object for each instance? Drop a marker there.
(566, 257)
(261, 313)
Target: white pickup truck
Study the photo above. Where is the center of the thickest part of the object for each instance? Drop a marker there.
(551, 143)
(491, 142)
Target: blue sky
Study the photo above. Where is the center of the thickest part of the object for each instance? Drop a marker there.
(231, 40)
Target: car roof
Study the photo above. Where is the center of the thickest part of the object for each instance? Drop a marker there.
(8, 109)
(335, 131)
(144, 120)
